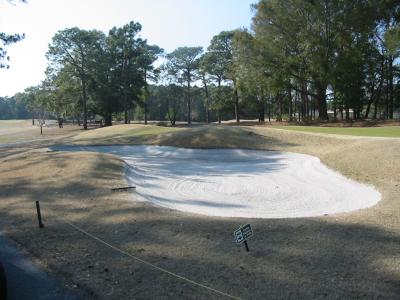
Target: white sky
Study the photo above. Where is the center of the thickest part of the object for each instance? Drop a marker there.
(167, 23)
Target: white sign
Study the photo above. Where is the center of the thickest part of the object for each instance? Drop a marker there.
(239, 236)
(243, 233)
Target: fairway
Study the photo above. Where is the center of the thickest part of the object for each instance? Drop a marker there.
(22, 131)
(389, 131)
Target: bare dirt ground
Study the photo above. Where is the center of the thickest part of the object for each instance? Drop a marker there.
(353, 255)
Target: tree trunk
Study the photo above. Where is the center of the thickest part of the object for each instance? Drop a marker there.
(314, 110)
(189, 105)
(307, 107)
(126, 112)
(371, 98)
(108, 120)
(207, 100)
(390, 83)
(368, 109)
(321, 98)
(269, 111)
(290, 104)
(303, 100)
(145, 97)
(236, 104)
(296, 108)
(145, 112)
(207, 111)
(261, 117)
(303, 103)
(84, 96)
(377, 98)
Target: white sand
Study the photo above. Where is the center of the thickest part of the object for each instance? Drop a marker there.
(238, 183)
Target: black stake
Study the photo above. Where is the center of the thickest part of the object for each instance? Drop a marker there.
(39, 215)
(247, 246)
(125, 188)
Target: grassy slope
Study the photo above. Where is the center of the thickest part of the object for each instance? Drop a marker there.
(122, 133)
(390, 131)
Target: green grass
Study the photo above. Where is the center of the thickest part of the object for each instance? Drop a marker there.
(390, 131)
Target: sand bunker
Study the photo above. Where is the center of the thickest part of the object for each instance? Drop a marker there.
(238, 183)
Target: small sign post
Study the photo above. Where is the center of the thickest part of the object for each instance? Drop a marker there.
(41, 225)
(242, 234)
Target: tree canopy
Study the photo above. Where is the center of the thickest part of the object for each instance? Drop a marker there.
(300, 61)
(8, 39)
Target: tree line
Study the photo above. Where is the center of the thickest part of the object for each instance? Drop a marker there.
(13, 108)
(301, 60)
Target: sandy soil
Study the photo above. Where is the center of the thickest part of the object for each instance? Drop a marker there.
(352, 255)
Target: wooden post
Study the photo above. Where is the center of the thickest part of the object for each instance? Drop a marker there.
(247, 246)
(41, 225)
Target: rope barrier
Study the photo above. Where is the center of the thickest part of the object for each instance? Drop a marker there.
(150, 264)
